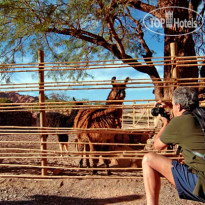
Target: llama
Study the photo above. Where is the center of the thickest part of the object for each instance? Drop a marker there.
(55, 119)
(100, 118)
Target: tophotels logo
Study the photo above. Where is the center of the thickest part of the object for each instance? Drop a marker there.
(169, 18)
(169, 21)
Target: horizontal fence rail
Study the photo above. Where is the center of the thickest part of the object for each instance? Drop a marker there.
(33, 151)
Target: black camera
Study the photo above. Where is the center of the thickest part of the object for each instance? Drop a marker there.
(160, 110)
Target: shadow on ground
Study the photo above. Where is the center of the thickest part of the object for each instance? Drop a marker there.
(57, 200)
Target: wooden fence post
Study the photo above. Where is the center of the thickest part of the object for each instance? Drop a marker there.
(148, 116)
(134, 114)
(43, 137)
(173, 49)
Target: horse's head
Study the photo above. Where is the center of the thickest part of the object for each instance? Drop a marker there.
(118, 91)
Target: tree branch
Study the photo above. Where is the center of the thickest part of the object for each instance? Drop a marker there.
(115, 35)
(139, 5)
(140, 34)
(110, 21)
(33, 12)
(113, 48)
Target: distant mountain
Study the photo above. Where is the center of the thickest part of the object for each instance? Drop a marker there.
(17, 98)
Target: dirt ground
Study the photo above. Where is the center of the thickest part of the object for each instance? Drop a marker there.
(82, 192)
(16, 191)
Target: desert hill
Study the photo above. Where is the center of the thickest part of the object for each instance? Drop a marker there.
(18, 98)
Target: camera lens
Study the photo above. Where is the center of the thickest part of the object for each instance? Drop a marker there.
(160, 110)
(155, 111)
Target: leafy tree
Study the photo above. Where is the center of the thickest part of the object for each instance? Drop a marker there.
(81, 30)
(62, 97)
(58, 97)
(5, 100)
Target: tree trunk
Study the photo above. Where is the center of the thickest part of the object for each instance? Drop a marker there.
(185, 45)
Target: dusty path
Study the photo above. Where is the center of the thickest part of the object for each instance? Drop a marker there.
(82, 192)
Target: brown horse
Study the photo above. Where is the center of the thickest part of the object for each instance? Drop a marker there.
(100, 118)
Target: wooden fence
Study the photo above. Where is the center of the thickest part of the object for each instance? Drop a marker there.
(27, 152)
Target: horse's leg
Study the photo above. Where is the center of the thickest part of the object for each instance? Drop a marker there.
(92, 148)
(61, 148)
(66, 149)
(107, 166)
(79, 146)
(87, 148)
(106, 148)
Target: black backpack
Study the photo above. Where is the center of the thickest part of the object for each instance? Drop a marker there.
(199, 113)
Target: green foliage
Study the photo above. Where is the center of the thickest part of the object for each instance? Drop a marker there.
(24, 28)
(68, 30)
(58, 97)
(5, 100)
